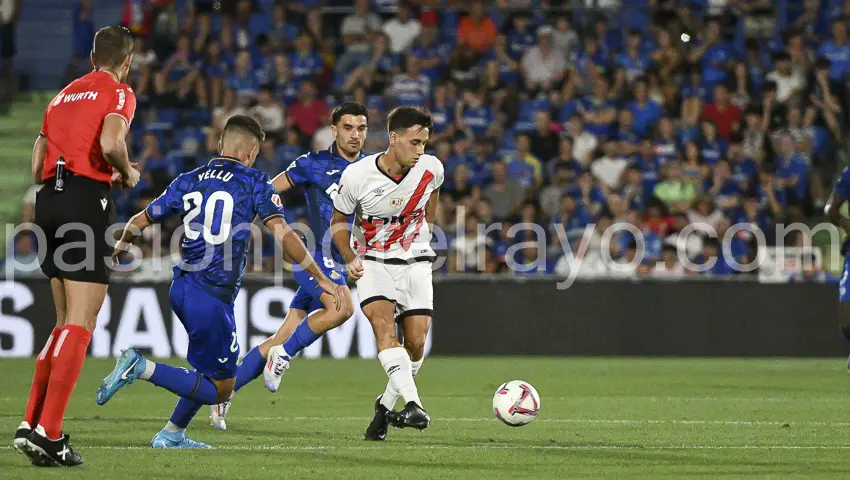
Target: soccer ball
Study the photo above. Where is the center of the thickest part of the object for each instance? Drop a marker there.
(516, 403)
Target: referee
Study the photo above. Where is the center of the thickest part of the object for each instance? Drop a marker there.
(80, 147)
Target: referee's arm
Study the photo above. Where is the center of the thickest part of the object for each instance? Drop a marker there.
(39, 152)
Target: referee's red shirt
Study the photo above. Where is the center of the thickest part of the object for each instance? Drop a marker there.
(74, 119)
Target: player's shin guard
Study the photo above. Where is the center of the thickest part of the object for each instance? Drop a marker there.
(66, 364)
(184, 412)
(301, 338)
(185, 383)
(391, 396)
(396, 363)
(251, 368)
(40, 379)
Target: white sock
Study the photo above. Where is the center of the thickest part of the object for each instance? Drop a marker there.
(415, 366)
(149, 368)
(396, 363)
(172, 428)
(391, 396)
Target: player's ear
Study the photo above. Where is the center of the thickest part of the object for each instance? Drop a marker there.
(393, 137)
(219, 147)
(91, 59)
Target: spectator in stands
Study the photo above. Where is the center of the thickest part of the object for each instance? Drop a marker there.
(504, 193)
(609, 168)
(476, 31)
(824, 107)
(176, 83)
(244, 80)
(305, 62)
(676, 193)
(669, 266)
(402, 29)
(600, 110)
(837, 51)
(725, 115)
(269, 113)
(584, 142)
(591, 198)
(788, 83)
(565, 38)
(468, 250)
(472, 114)
(524, 166)
(308, 114)
(714, 56)
(544, 142)
(646, 112)
(83, 38)
(543, 67)
(411, 87)
(792, 171)
(283, 32)
(550, 196)
(24, 257)
(632, 63)
(141, 70)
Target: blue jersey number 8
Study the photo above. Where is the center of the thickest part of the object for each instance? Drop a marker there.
(192, 202)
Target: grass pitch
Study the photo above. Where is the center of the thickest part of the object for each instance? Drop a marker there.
(600, 418)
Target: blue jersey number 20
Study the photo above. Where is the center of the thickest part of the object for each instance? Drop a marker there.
(192, 202)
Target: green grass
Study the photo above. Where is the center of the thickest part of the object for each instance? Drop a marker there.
(600, 418)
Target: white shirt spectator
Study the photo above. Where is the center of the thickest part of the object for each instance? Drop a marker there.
(591, 266)
(661, 270)
(786, 85)
(584, 144)
(402, 35)
(356, 25)
(471, 252)
(539, 70)
(271, 117)
(608, 170)
(411, 91)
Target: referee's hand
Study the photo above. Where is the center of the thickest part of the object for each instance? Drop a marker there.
(118, 179)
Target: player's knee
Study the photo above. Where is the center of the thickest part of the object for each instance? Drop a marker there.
(344, 314)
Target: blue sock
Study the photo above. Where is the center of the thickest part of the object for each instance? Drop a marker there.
(301, 338)
(184, 412)
(251, 368)
(184, 383)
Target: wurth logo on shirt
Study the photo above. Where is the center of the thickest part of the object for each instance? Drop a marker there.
(74, 97)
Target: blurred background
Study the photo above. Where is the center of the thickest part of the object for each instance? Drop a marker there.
(653, 113)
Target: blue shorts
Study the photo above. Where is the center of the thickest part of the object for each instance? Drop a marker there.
(843, 294)
(307, 296)
(211, 326)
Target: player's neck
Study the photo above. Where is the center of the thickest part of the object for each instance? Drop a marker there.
(229, 157)
(111, 73)
(389, 164)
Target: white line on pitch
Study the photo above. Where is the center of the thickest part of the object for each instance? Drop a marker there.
(543, 420)
(488, 447)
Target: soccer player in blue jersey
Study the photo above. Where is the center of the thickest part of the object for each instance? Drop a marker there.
(840, 195)
(218, 203)
(319, 174)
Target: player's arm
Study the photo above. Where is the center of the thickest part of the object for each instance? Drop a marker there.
(341, 236)
(295, 249)
(833, 211)
(431, 207)
(39, 152)
(281, 182)
(114, 146)
(132, 229)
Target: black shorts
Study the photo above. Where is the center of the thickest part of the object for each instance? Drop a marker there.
(79, 215)
(8, 46)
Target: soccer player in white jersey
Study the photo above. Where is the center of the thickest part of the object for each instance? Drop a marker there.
(394, 196)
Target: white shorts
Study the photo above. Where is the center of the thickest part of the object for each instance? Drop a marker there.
(408, 286)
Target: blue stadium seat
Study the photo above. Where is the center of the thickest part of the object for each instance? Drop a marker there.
(165, 119)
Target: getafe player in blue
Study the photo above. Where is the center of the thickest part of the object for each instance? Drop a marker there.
(218, 203)
(840, 195)
(319, 174)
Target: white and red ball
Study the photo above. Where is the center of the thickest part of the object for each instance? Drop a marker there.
(516, 403)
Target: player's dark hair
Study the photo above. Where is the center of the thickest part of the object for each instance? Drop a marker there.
(244, 124)
(111, 46)
(348, 108)
(402, 118)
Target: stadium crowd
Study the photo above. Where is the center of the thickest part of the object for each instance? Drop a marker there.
(657, 114)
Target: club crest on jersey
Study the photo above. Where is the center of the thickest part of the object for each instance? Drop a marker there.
(397, 202)
(276, 200)
(335, 275)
